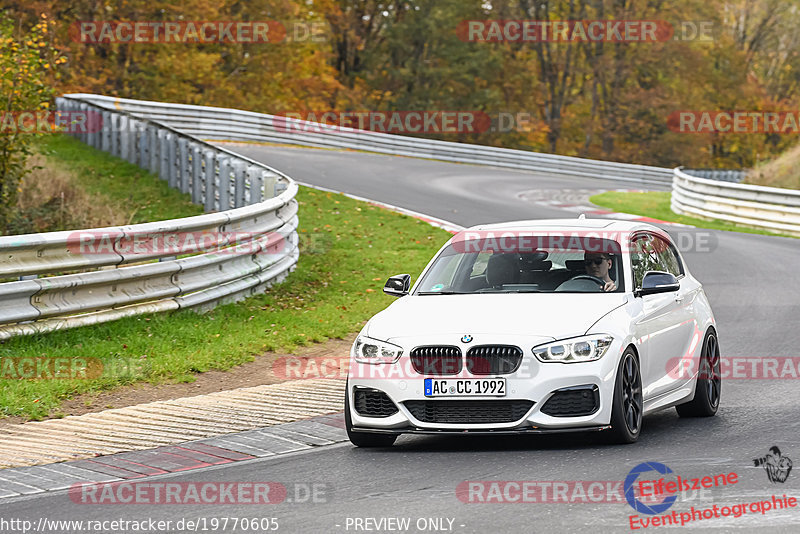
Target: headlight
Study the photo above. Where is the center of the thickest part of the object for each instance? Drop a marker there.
(368, 350)
(577, 349)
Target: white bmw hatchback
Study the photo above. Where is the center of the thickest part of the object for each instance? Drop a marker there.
(536, 327)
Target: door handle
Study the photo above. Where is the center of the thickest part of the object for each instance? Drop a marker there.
(678, 298)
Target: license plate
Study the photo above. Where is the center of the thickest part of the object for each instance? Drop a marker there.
(465, 387)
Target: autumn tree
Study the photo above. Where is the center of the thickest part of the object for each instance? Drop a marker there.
(26, 64)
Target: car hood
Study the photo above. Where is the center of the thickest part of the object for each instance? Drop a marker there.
(553, 315)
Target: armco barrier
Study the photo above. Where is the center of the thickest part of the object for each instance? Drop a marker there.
(236, 125)
(724, 175)
(768, 208)
(251, 203)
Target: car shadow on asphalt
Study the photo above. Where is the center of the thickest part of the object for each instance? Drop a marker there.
(657, 428)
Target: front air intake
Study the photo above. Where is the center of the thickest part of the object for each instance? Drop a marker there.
(373, 403)
(468, 411)
(573, 402)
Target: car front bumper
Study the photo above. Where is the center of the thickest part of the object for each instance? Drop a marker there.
(533, 381)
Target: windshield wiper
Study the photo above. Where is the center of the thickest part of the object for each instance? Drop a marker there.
(442, 293)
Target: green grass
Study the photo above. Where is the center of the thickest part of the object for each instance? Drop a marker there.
(348, 249)
(656, 204)
(105, 176)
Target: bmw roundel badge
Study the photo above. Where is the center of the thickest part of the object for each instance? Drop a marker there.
(466, 338)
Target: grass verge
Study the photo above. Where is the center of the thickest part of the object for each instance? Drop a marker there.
(656, 204)
(70, 187)
(348, 250)
(140, 194)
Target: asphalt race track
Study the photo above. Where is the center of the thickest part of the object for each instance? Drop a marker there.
(753, 283)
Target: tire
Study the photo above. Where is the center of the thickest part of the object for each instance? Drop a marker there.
(363, 439)
(626, 409)
(707, 392)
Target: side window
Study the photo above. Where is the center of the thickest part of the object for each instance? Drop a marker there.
(644, 257)
(668, 258)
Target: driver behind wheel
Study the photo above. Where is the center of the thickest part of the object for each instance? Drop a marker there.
(597, 264)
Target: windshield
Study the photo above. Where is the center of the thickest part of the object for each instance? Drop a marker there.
(466, 267)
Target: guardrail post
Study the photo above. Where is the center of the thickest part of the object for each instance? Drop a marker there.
(163, 154)
(152, 147)
(68, 107)
(133, 141)
(95, 137)
(124, 138)
(255, 177)
(172, 156)
(239, 190)
(85, 137)
(114, 147)
(197, 172)
(224, 186)
(271, 185)
(184, 167)
(63, 105)
(75, 107)
(209, 182)
(105, 141)
(144, 152)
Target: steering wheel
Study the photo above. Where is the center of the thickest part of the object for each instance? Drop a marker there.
(596, 280)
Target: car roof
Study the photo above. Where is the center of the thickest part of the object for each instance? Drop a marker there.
(568, 224)
(614, 229)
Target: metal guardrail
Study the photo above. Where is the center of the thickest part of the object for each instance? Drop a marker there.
(736, 176)
(768, 208)
(248, 245)
(225, 179)
(236, 125)
(165, 138)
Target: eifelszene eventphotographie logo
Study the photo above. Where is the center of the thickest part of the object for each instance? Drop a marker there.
(775, 464)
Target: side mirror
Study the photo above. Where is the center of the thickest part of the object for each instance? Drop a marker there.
(398, 285)
(657, 282)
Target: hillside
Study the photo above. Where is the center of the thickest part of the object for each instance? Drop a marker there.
(782, 171)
